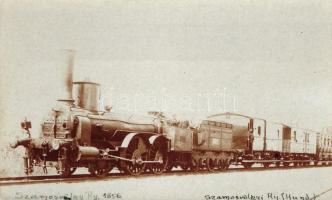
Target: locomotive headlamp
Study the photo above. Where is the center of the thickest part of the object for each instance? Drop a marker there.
(26, 125)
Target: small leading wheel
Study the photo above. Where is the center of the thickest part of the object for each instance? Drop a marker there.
(137, 153)
(65, 170)
(98, 172)
(64, 166)
(158, 153)
(100, 168)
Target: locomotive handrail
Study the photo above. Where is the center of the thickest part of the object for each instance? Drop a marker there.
(235, 114)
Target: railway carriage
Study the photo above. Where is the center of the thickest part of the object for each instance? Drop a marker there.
(302, 146)
(272, 143)
(274, 138)
(324, 146)
(255, 143)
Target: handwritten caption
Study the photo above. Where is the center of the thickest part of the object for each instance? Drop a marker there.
(68, 196)
(267, 196)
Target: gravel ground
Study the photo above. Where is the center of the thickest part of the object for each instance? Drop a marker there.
(293, 184)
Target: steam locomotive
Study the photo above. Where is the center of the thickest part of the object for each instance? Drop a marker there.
(77, 134)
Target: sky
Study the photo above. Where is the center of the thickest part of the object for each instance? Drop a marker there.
(270, 59)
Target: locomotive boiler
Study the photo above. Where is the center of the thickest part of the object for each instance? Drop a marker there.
(77, 134)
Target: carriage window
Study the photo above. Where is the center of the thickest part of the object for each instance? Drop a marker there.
(278, 133)
(259, 130)
(295, 136)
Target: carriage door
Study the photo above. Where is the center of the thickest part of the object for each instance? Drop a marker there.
(286, 139)
(251, 135)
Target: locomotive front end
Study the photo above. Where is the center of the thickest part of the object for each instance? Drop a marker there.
(77, 133)
(57, 127)
(56, 135)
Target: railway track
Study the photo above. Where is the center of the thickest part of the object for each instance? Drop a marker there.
(87, 177)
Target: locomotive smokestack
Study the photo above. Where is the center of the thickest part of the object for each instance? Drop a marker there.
(67, 76)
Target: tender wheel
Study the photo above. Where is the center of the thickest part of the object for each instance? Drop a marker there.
(226, 164)
(278, 164)
(185, 166)
(169, 167)
(72, 170)
(210, 164)
(194, 165)
(201, 164)
(285, 164)
(220, 165)
(266, 165)
(247, 165)
(137, 152)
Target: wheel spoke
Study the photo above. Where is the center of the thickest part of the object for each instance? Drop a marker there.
(136, 151)
(157, 153)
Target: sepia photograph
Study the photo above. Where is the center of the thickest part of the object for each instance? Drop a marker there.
(186, 100)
